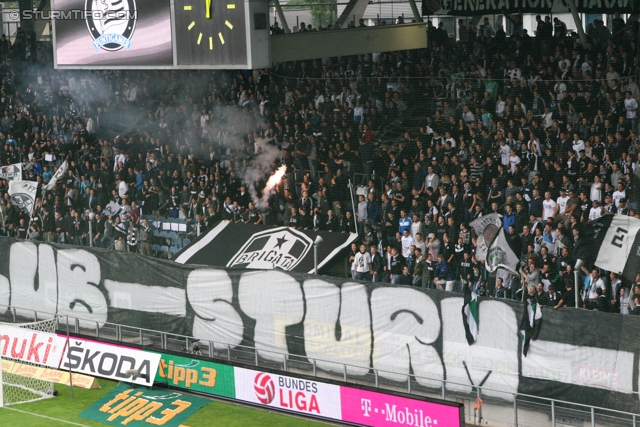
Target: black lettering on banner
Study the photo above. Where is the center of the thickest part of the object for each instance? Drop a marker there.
(619, 237)
(121, 371)
(112, 366)
(88, 360)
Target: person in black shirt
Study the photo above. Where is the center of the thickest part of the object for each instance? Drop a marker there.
(330, 222)
(405, 278)
(568, 296)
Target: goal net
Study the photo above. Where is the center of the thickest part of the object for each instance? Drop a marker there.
(25, 349)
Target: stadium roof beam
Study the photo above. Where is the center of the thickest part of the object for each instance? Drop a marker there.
(283, 21)
(414, 9)
(354, 9)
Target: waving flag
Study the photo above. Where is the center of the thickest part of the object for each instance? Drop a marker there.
(530, 324)
(23, 195)
(470, 315)
(62, 171)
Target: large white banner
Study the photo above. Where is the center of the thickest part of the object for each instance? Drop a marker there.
(111, 361)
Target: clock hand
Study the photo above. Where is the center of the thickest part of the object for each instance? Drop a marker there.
(208, 6)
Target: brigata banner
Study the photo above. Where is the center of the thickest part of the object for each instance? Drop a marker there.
(196, 375)
(135, 407)
(111, 361)
(26, 345)
(259, 247)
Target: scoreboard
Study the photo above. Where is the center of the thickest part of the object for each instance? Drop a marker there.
(161, 34)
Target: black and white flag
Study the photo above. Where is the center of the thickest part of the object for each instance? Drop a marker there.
(112, 209)
(23, 195)
(530, 323)
(613, 244)
(11, 172)
(264, 248)
(62, 171)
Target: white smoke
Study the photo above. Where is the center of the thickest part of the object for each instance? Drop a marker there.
(264, 163)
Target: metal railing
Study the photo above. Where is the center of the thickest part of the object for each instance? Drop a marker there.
(557, 412)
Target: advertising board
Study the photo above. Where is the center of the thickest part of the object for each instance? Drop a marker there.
(196, 375)
(135, 407)
(288, 393)
(26, 345)
(111, 361)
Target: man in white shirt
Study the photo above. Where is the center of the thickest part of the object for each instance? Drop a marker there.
(578, 144)
(514, 161)
(631, 105)
(561, 202)
(432, 179)
(362, 264)
(618, 195)
(596, 211)
(593, 282)
(548, 206)
(505, 152)
(407, 241)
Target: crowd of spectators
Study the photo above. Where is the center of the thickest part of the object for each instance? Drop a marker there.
(541, 130)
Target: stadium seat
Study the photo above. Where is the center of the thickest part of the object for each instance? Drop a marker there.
(155, 249)
(172, 235)
(165, 249)
(186, 242)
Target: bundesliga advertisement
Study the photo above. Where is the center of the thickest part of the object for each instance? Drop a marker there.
(112, 33)
(352, 405)
(288, 393)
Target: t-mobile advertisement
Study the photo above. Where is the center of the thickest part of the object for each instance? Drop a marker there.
(342, 403)
(112, 33)
(378, 409)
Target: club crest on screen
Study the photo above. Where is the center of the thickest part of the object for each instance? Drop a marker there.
(111, 23)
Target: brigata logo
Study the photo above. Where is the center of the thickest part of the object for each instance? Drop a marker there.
(277, 248)
(112, 26)
(265, 388)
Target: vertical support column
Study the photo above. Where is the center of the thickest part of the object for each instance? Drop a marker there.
(283, 21)
(577, 21)
(414, 9)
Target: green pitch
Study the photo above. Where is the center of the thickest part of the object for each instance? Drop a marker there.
(62, 411)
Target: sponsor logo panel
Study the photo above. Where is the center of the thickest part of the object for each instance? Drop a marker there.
(288, 393)
(135, 407)
(196, 375)
(32, 346)
(110, 361)
(379, 409)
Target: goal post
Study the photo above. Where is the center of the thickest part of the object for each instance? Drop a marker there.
(26, 348)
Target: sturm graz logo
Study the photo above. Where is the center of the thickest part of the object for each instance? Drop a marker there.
(280, 247)
(23, 201)
(114, 28)
(496, 257)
